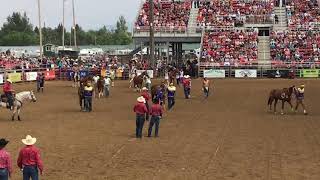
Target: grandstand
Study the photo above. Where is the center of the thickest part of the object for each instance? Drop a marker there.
(235, 32)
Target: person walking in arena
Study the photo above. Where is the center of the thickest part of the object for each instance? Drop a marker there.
(145, 94)
(88, 92)
(187, 86)
(29, 160)
(9, 93)
(300, 98)
(107, 84)
(40, 82)
(156, 112)
(206, 87)
(171, 95)
(5, 161)
(140, 109)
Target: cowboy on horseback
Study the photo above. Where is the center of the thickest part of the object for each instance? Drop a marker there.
(9, 93)
(299, 92)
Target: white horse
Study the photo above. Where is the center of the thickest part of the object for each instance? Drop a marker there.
(19, 100)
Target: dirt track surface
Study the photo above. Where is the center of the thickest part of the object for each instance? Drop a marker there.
(230, 136)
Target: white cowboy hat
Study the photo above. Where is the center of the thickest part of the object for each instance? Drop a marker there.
(29, 140)
(9, 80)
(172, 88)
(141, 99)
(144, 89)
(187, 76)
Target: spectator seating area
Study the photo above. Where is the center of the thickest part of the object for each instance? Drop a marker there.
(168, 15)
(230, 47)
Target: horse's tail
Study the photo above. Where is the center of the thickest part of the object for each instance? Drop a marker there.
(269, 100)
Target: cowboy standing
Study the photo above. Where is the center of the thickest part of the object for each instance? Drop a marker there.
(300, 98)
(40, 82)
(8, 91)
(29, 160)
(171, 95)
(107, 83)
(145, 94)
(88, 92)
(140, 109)
(5, 161)
(205, 86)
(187, 86)
(113, 76)
(156, 114)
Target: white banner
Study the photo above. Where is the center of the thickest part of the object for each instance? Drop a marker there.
(214, 73)
(1, 78)
(149, 72)
(243, 73)
(31, 76)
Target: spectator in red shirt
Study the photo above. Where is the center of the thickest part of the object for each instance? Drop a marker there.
(29, 159)
(140, 109)
(156, 113)
(8, 91)
(145, 94)
(5, 161)
(187, 86)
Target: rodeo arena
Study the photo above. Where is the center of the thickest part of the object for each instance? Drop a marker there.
(243, 106)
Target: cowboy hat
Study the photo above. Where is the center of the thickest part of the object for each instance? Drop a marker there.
(144, 89)
(3, 143)
(187, 76)
(141, 99)
(9, 80)
(171, 88)
(29, 140)
(302, 85)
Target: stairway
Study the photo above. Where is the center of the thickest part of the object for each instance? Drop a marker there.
(283, 21)
(192, 23)
(264, 59)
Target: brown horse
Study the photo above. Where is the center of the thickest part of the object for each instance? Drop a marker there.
(280, 94)
(100, 87)
(81, 95)
(138, 81)
(172, 75)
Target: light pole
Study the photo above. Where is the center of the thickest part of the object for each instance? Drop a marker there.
(63, 1)
(40, 29)
(151, 19)
(74, 26)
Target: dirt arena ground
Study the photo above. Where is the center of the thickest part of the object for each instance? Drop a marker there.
(230, 136)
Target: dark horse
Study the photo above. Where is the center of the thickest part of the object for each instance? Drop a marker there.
(138, 81)
(280, 94)
(173, 74)
(81, 95)
(100, 87)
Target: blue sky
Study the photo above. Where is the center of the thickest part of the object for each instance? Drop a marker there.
(90, 14)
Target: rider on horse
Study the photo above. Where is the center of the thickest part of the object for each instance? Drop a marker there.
(300, 97)
(9, 93)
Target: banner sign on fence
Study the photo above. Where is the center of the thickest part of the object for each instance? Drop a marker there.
(309, 73)
(15, 77)
(1, 78)
(278, 73)
(83, 74)
(149, 72)
(214, 73)
(50, 75)
(31, 76)
(243, 73)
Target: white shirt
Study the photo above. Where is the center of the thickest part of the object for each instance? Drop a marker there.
(96, 78)
(107, 81)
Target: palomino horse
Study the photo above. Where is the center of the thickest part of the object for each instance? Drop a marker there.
(280, 94)
(19, 100)
(100, 87)
(138, 81)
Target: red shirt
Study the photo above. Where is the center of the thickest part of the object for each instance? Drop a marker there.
(5, 161)
(145, 95)
(140, 108)
(156, 110)
(186, 83)
(30, 156)
(7, 87)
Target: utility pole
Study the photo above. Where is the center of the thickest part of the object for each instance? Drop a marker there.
(63, 2)
(40, 30)
(151, 45)
(74, 26)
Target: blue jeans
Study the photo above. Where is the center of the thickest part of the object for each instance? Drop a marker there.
(147, 115)
(186, 92)
(88, 103)
(30, 172)
(155, 120)
(139, 125)
(206, 92)
(171, 102)
(106, 91)
(10, 98)
(4, 175)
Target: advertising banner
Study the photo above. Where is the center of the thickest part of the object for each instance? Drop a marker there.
(309, 73)
(214, 73)
(50, 75)
(83, 74)
(278, 73)
(243, 73)
(31, 76)
(1, 78)
(149, 72)
(15, 77)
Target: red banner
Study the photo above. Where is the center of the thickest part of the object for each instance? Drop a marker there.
(49, 75)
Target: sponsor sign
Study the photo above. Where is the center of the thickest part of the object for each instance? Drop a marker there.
(278, 73)
(15, 77)
(1, 78)
(214, 73)
(149, 72)
(243, 73)
(309, 73)
(49, 75)
(83, 74)
(31, 76)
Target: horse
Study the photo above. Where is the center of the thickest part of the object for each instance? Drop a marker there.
(76, 79)
(173, 75)
(138, 81)
(280, 94)
(81, 95)
(100, 87)
(19, 102)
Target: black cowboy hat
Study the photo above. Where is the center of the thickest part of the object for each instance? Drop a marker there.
(3, 143)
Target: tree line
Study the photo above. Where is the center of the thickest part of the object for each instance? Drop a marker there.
(18, 31)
